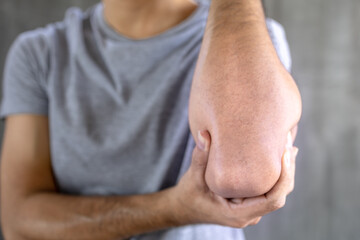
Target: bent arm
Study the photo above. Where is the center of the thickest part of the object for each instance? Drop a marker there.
(245, 98)
(33, 209)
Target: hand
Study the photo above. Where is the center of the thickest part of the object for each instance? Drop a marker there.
(195, 203)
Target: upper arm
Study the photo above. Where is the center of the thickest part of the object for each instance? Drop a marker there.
(25, 160)
(25, 163)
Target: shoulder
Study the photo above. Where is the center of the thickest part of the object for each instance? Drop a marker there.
(38, 47)
(52, 35)
(31, 45)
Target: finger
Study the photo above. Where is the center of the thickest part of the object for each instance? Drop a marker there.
(277, 195)
(255, 221)
(294, 152)
(203, 140)
(252, 222)
(199, 160)
(253, 207)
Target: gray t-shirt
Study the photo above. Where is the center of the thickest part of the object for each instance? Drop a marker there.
(117, 107)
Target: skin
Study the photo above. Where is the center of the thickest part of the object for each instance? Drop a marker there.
(141, 19)
(33, 208)
(243, 96)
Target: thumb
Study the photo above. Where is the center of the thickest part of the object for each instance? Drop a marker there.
(200, 153)
(203, 140)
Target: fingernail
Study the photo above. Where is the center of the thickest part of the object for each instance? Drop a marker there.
(296, 150)
(201, 141)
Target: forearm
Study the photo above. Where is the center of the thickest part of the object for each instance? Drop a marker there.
(54, 216)
(237, 40)
(244, 97)
(237, 28)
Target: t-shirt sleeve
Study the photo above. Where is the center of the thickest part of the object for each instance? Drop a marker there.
(278, 38)
(23, 86)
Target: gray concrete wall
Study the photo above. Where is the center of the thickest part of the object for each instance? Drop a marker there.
(324, 37)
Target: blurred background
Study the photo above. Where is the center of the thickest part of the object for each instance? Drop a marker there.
(324, 38)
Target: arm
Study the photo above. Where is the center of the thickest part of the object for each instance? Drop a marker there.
(33, 209)
(243, 96)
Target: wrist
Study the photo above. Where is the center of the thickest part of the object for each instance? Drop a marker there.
(177, 208)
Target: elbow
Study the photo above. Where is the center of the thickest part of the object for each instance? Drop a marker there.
(236, 184)
(248, 124)
(235, 174)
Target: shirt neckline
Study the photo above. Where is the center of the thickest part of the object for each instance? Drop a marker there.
(112, 33)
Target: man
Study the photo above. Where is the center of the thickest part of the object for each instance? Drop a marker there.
(97, 132)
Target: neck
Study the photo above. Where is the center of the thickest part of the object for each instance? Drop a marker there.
(139, 19)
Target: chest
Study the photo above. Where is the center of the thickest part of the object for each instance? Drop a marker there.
(112, 133)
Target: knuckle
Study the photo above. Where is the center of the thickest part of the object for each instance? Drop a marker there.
(278, 203)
